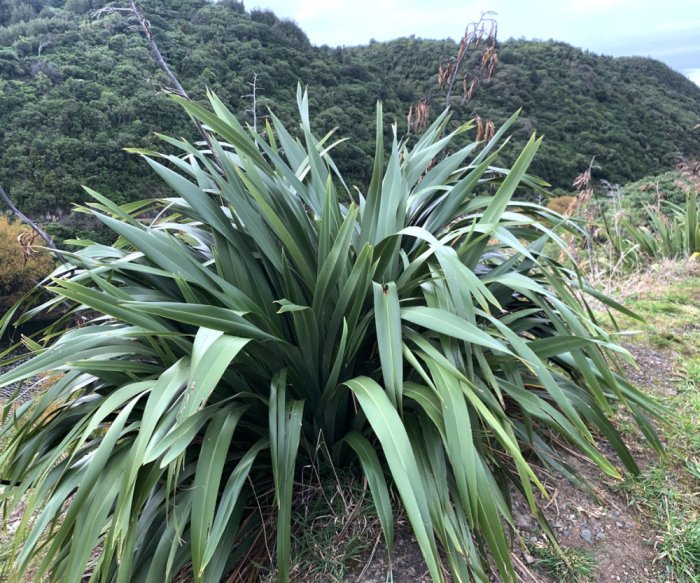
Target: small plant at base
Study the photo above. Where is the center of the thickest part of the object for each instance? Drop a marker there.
(680, 546)
(334, 526)
(657, 493)
(570, 565)
(422, 332)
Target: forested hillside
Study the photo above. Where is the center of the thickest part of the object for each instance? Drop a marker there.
(75, 90)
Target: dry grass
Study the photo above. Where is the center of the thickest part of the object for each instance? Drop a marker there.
(334, 527)
(655, 279)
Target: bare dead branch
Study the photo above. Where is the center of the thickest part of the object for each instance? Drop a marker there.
(254, 97)
(144, 25)
(25, 219)
(485, 31)
(42, 45)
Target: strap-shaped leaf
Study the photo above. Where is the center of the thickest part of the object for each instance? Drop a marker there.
(387, 425)
(230, 498)
(377, 484)
(208, 366)
(285, 432)
(388, 325)
(210, 467)
(445, 323)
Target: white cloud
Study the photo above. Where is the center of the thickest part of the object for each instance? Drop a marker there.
(309, 9)
(679, 50)
(598, 5)
(679, 25)
(693, 75)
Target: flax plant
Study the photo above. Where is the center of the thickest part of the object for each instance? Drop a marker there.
(420, 332)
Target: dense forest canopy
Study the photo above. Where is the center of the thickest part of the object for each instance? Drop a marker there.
(75, 90)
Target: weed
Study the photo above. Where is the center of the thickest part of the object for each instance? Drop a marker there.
(334, 527)
(659, 307)
(692, 371)
(687, 404)
(680, 546)
(663, 340)
(571, 565)
(334, 523)
(662, 498)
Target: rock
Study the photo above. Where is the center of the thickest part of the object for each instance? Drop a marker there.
(587, 535)
(523, 521)
(600, 535)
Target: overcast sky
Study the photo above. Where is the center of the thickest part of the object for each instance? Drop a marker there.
(668, 30)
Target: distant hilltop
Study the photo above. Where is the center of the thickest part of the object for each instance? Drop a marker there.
(75, 90)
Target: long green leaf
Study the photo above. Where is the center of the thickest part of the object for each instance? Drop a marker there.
(377, 484)
(445, 323)
(285, 432)
(398, 452)
(210, 467)
(388, 325)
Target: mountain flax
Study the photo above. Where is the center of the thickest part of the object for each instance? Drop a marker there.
(421, 332)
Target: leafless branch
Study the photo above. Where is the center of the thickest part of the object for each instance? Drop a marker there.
(254, 97)
(144, 25)
(25, 219)
(137, 16)
(482, 32)
(42, 45)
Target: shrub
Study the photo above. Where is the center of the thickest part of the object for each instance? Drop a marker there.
(21, 268)
(670, 231)
(420, 334)
(561, 204)
(671, 186)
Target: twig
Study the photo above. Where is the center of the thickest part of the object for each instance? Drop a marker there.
(371, 557)
(262, 519)
(145, 26)
(25, 219)
(254, 97)
(474, 35)
(42, 45)
(484, 31)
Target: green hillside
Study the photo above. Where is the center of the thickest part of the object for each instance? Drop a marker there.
(633, 114)
(75, 90)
